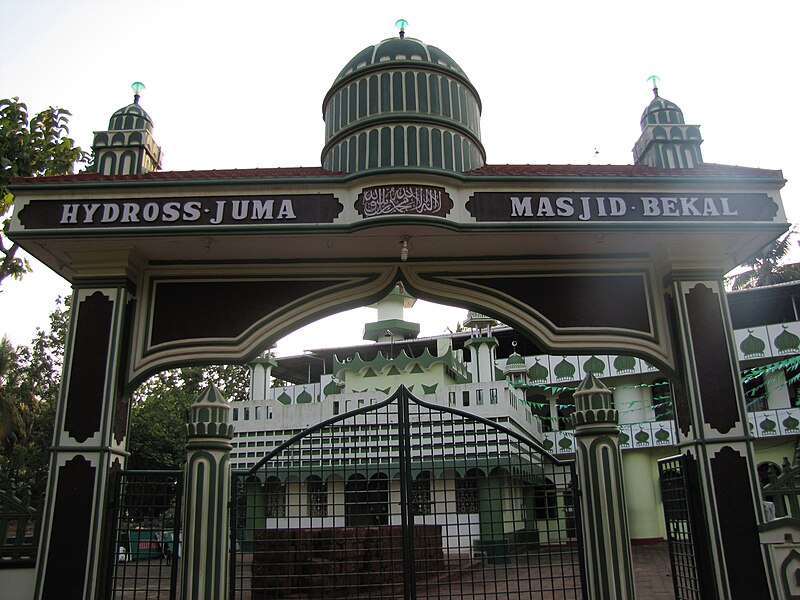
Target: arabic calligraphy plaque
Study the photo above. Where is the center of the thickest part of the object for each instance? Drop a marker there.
(392, 200)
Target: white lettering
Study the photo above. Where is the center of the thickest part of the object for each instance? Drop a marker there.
(262, 210)
(587, 213)
(618, 206)
(688, 207)
(545, 208)
(89, 210)
(220, 209)
(287, 210)
(650, 207)
(191, 211)
(130, 213)
(171, 212)
(521, 208)
(709, 208)
(601, 207)
(669, 207)
(564, 206)
(110, 213)
(150, 212)
(239, 209)
(726, 210)
(69, 213)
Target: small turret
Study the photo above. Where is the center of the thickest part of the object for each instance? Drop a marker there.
(666, 141)
(127, 147)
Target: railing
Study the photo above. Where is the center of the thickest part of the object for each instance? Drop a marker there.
(633, 436)
(19, 532)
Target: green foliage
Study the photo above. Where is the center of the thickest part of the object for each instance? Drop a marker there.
(766, 267)
(29, 383)
(158, 417)
(29, 148)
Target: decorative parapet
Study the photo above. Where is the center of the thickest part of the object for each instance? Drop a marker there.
(632, 436)
(403, 363)
(774, 423)
(777, 340)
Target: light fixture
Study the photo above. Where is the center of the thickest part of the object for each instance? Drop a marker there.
(401, 24)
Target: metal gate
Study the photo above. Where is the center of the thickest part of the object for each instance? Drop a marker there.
(145, 546)
(406, 499)
(672, 475)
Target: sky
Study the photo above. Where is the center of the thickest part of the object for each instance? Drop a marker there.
(240, 84)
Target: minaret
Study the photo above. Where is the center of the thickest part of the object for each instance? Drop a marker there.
(482, 344)
(261, 376)
(127, 147)
(390, 326)
(666, 141)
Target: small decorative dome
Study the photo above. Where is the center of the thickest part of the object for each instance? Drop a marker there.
(594, 365)
(661, 111)
(787, 342)
(332, 388)
(538, 372)
(564, 370)
(625, 364)
(752, 346)
(130, 117)
(514, 363)
(402, 103)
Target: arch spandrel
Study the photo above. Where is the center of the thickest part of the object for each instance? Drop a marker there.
(221, 315)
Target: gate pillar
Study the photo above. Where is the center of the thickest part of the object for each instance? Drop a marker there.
(89, 441)
(206, 492)
(604, 518)
(713, 435)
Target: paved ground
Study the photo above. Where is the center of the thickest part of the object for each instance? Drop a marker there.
(522, 578)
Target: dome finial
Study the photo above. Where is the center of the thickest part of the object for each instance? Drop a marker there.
(401, 24)
(654, 79)
(136, 86)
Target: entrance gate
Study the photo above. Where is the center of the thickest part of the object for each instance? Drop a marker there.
(406, 499)
(145, 547)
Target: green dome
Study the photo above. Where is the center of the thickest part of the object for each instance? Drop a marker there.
(538, 372)
(515, 361)
(661, 112)
(594, 365)
(752, 346)
(332, 388)
(625, 364)
(130, 117)
(564, 370)
(402, 104)
(787, 342)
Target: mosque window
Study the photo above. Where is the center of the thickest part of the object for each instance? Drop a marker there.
(662, 399)
(445, 91)
(433, 84)
(362, 98)
(436, 148)
(755, 392)
(422, 91)
(493, 396)
(317, 494)
(421, 494)
(246, 413)
(451, 398)
(465, 398)
(411, 134)
(455, 99)
(411, 92)
(467, 493)
(479, 397)
(373, 94)
(448, 150)
(257, 411)
(386, 93)
(235, 414)
(275, 498)
(397, 91)
(545, 501)
(566, 406)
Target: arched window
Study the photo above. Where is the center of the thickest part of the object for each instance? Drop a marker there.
(661, 392)
(421, 494)
(467, 492)
(275, 493)
(566, 406)
(540, 407)
(317, 496)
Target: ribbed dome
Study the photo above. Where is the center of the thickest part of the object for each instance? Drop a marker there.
(130, 117)
(515, 362)
(661, 112)
(402, 103)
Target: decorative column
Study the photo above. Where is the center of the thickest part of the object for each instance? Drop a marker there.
(714, 438)
(604, 518)
(206, 493)
(89, 444)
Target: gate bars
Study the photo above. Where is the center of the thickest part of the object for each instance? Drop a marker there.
(406, 499)
(146, 513)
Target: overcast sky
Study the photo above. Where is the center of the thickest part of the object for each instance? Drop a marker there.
(240, 84)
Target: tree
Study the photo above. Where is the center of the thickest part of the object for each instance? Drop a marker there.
(766, 267)
(29, 382)
(39, 146)
(158, 416)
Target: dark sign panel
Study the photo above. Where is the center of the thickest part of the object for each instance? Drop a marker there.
(386, 200)
(545, 207)
(177, 212)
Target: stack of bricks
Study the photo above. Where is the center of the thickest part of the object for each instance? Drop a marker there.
(338, 562)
